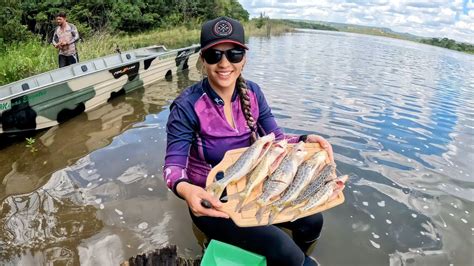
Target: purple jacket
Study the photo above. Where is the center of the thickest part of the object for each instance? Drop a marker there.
(198, 134)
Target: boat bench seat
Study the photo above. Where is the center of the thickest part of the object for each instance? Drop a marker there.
(62, 74)
(142, 54)
(113, 60)
(4, 92)
(128, 57)
(10, 90)
(44, 80)
(156, 49)
(83, 68)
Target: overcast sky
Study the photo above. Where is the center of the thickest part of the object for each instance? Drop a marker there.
(429, 18)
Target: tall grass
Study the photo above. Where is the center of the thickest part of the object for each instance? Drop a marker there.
(25, 59)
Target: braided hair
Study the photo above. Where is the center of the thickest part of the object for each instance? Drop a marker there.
(245, 104)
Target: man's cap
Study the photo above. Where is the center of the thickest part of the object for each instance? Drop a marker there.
(222, 30)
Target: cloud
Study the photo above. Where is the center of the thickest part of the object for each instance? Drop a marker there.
(428, 18)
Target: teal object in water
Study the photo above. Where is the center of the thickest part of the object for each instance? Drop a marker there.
(222, 254)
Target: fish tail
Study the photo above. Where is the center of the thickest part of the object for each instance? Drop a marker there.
(216, 189)
(248, 206)
(238, 207)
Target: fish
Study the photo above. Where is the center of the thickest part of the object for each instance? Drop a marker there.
(280, 179)
(325, 194)
(264, 168)
(305, 174)
(326, 175)
(246, 162)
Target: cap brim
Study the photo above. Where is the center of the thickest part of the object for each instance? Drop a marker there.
(223, 41)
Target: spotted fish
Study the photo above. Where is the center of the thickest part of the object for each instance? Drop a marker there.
(264, 168)
(326, 193)
(327, 174)
(281, 178)
(246, 162)
(306, 172)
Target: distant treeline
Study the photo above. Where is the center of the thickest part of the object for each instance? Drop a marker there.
(308, 25)
(450, 44)
(23, 20)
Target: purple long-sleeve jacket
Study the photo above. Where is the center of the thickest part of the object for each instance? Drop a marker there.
(198, 134)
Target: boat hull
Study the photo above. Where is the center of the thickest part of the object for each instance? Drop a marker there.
(33, 106)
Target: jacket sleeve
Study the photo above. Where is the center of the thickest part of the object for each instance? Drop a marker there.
(55, 40)
(266, 121)
(180, 131)
(74, 33)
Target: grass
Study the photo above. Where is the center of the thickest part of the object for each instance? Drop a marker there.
(29, 58)
(26, 59)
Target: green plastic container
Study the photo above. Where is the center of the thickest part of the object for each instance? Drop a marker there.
(222, 254)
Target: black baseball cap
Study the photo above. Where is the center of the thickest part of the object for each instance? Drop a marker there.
(222, 30)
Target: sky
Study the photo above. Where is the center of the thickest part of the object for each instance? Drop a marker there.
(453, 19)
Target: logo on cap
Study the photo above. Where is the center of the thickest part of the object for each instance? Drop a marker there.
(223, 28)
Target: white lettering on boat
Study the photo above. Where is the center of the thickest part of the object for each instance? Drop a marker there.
(124, 70)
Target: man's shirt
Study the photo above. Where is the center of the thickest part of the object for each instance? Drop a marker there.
(70, 36)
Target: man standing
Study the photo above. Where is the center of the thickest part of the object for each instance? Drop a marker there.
(64, 39)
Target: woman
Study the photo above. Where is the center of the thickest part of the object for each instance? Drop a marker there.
(220, 113)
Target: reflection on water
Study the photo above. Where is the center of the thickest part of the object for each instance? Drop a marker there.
(400, 117)
(53, 214)
(91, 178)
(399, 114)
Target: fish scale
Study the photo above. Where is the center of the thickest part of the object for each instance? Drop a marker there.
(316, 185)
(281, 178)
(284, 174)
(317, 199)
(304, 175)
(246, 162)
(320, 197)
(262, 170)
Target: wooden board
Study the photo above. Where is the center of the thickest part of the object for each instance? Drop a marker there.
(247, 218)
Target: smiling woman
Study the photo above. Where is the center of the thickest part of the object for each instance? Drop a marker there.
(220, 113)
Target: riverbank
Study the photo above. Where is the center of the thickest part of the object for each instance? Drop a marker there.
(29, 58)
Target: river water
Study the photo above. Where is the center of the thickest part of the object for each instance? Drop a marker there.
(399, 115)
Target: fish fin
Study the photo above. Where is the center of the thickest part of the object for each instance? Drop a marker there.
(274, 211)
(215, 189)
(233, 196)
(284, 208)
(248, 206)
(238, 207)
(260, 213)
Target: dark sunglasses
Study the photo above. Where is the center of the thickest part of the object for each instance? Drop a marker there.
(213, 56)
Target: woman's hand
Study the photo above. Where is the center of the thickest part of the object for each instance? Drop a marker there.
(194, 195)
(324, 144)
